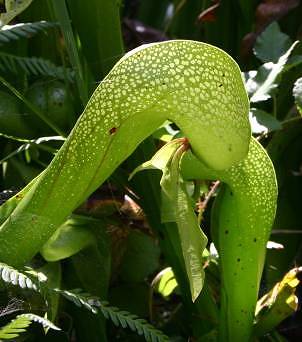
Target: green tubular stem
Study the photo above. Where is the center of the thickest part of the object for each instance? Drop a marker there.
(242, 218)
(196, 85)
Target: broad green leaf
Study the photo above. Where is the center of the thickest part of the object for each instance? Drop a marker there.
(261, 84)
(272, 43)
(141, 257)
(263, 122)
(297, 92)
(68, 240)
(293, 61)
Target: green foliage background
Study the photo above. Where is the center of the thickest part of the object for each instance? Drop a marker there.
(53, 54)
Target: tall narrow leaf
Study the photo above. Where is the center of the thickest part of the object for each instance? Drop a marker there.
(61, 14)
(101, 37)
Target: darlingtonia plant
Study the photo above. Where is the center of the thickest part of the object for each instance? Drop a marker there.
(198, 87)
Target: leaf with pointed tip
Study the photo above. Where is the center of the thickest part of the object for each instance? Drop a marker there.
(272, 43)
(263, 122)
(262, 83)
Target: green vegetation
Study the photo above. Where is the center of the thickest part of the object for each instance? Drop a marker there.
(169, 209)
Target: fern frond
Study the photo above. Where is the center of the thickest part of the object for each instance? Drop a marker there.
(23, 30)
(14, 328)
(118, 317)
(126, 319)
(27, 144)
(34, 66)
(21, 322)
(13, 8)
(46, 323)
(37, 282)
(12, 276)
(79, 298)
